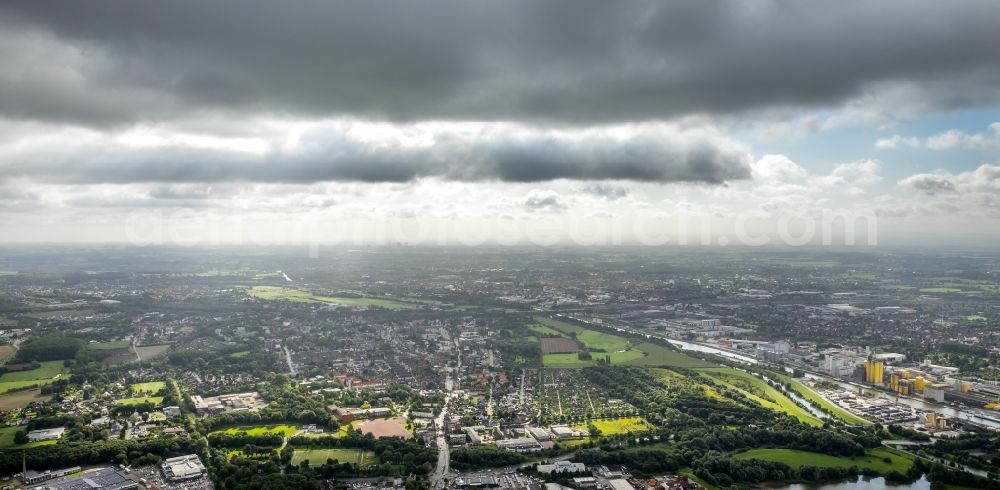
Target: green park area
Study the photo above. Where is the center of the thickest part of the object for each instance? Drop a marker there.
(882, 460)
(759, 391)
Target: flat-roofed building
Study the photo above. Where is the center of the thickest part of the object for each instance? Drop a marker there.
(46, 434)
(183, 468)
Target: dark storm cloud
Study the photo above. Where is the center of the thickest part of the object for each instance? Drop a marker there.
(571, 61)
(506, 153)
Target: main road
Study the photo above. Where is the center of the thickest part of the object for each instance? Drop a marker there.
(439, 477)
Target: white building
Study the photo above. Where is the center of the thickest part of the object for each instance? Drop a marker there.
(46, 434)
(183, 468)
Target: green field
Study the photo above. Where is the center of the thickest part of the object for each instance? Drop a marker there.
(658, 355)
(619, 348)
(796, 459)
(572, 360)
(319, 456)
(42, 375)
(821, 402)
(940, 290)
(7, 439)
(155, 400)
(759, 391)
(151, 387)
(284, 430)
(46, 370)
(625, 425)
(303, 296)
(546, 330)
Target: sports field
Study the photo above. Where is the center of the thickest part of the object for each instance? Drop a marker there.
(875, 460)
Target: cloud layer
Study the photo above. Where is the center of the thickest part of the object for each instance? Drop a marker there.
(574, 62)
(351, 151)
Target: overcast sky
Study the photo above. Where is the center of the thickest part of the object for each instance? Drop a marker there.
(444, 121)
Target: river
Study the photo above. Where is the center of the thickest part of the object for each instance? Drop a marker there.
(861, 483)
(912, 402)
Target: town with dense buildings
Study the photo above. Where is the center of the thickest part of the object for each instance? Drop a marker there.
(454, 368)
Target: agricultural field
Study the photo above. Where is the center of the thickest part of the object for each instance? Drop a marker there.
(572, 360)
(759, 391)
(6, 351)
(151, 387)
(21, 399)
(155, 400)
(658, 355)
(7, 439)
(260, 430)
(302, 296)
(147, 352)
(875, 460)
(605, 345)
(558, 345)
(44, 374)
(545, 330)
(319, 456)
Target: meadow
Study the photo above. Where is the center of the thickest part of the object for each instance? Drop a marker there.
(147, 352)
(625, 425)
(150, 387)
(759, 391)
(875, 460)
(7, 439)
(42, 375)
(260, 430)
(618, 348)
(319, 456)
(155, 400)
